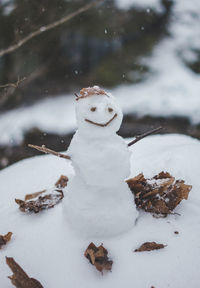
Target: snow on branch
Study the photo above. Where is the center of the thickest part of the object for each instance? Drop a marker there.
(48, 27)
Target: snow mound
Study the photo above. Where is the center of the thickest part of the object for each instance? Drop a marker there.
(48, 250)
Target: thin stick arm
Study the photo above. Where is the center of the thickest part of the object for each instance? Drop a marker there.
(140, 137)
(49, 151)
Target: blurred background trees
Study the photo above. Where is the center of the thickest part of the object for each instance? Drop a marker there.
(103, 45)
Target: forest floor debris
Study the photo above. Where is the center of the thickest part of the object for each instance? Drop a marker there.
(149, 246)
(19, 278)
(4, 239)
(98, 256)
(159, 195)
(44, 199)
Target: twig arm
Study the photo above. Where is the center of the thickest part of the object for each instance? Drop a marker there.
(140, 137)
(49, 151)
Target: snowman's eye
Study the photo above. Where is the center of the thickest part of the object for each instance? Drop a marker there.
(110, 110)
(93, 109)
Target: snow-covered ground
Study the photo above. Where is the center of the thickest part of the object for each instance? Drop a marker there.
(171, 89)
(48, 250)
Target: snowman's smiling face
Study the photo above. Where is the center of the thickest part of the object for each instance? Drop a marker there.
(98, 115)
(101, 124)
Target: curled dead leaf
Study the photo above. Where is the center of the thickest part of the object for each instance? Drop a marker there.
(98, 256)
(40, 202)
(19, 278)
(149, 246)
(33, 195)
(159, 195)
(44, 199)
(4, 239)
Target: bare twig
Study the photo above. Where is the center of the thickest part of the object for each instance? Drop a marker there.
(48, 27)
(49, 151)
(140, 137)
(14, 85)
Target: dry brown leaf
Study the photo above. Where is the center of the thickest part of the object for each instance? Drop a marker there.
(33, 195)
(62, 182)
(149, 246)
(5, 238)
(160, 194)
(98, 256)
(43, 200)
(19, 278)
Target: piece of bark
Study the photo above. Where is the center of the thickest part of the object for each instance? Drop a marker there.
(4, 239)
(98, 256)
(159, 195)
(40, 203)
(149, 246)
(19, 278)
(62, 182)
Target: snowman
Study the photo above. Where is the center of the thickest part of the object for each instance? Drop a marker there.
(98, 202)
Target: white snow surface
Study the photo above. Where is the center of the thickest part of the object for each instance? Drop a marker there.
(48, 250)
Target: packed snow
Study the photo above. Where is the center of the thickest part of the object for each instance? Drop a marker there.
(101, 161)
(49, 251)
(172, 89)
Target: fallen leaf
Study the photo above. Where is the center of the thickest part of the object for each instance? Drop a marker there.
(19, 278)
(5, 238)
(44, 199)
(98, 256)
(149, 246)
(62, 182)
(40, 203)
(159, 195)
(33, 195)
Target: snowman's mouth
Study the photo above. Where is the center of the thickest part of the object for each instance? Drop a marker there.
(100, 124)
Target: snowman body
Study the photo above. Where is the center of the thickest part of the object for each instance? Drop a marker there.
(98, 202)
(107, 164)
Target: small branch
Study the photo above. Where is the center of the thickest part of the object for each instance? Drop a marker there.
(48, 27)
(49, 151)
(14, 85)
(140, 137)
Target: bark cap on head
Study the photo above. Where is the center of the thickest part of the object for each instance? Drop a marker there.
(90, 91)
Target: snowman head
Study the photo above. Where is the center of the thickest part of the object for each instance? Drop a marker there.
(97, 113)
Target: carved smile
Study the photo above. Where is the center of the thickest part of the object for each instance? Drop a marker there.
(102, 125)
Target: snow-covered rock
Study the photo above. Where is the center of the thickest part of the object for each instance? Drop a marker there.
(49, 251)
